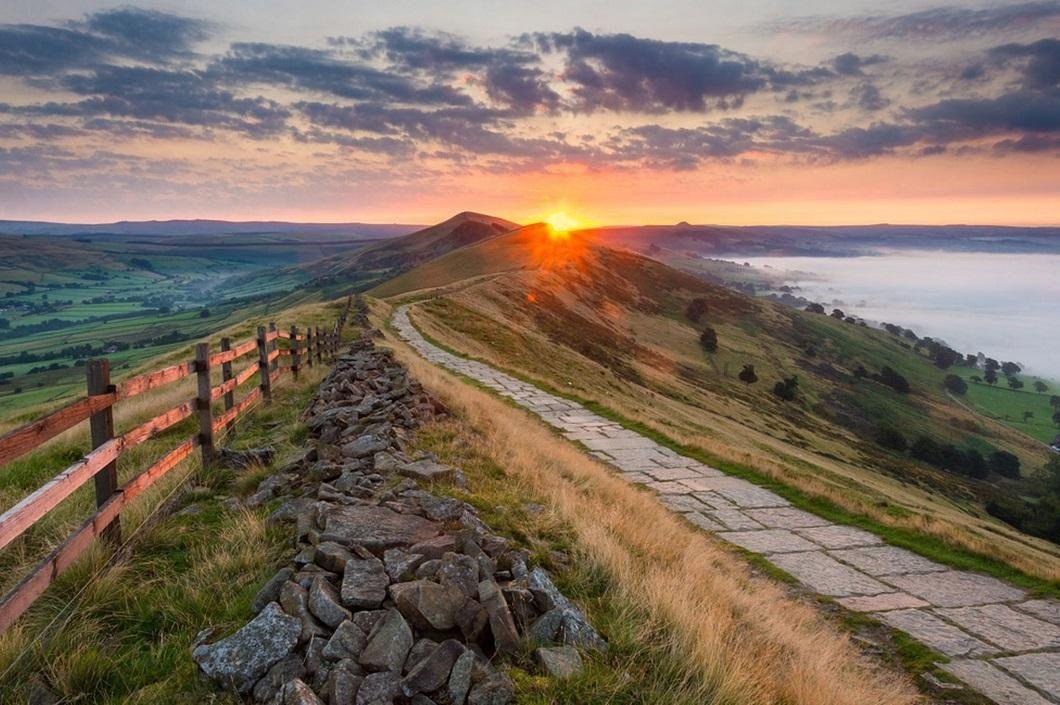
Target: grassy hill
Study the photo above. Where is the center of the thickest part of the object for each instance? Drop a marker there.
(610, 327)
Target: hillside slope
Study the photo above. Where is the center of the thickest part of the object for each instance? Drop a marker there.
(610, 327)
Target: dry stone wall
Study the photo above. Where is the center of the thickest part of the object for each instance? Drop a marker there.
(394, 594)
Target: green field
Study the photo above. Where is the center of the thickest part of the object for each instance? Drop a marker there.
(1009, 405)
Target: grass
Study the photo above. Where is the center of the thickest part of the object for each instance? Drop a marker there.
(1008, 405)
(718, 633)
(903, 531)
(126, 639)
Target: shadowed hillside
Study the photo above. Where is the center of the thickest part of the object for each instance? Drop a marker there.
(630, 334)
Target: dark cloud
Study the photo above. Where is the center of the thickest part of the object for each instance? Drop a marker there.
(413, 49)
(1042, 67)
(149, 34)
(868, 97)
(940, 23)
(850, 64)
(521, 88)
(1022, 111)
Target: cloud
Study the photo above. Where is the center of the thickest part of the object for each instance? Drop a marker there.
(935, 24)
(1042, 67)
(868, 97)
(1012, 112)
(850, 64)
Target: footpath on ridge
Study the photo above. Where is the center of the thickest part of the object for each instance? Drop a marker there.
(999, 641)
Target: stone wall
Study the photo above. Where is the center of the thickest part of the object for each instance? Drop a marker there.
(394, 594)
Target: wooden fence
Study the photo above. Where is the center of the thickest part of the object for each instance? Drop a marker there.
(305, 349)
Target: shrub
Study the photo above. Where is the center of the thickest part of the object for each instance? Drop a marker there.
(786, 389)
(696, 309)
(747, 374)
(892, 379)
(1010, 511)
(1005, 464)
(955, 384)
(709, 340)
(815, 308)
(890, 437)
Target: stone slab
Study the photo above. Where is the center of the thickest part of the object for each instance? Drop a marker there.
(882, 603)
(673, 473)
(747, 496)
(682, 503)
(768, 541)
(826, 575)
(1004, 626)
(886, 560)
(786, 518)
(702, 522)
(733, 519)
(838, 536)
(1049, 610)
(668, 487)
(955, 588)
(994, 683)
(1040, 670)
(935, 633)
(609, 444)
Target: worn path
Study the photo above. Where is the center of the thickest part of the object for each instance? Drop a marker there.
(999, 642)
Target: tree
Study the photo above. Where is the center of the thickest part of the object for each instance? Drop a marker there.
(1040, 386)
(991, 364)
(838, 313)
(786, 389)
(1010, 369)
(709, 340)
(990, 376)
(1054, 401)
(747, 374)
(1056, 418)
(971, 360)
(945, 357)
(1027, 416)
(955, 384)
(696, 309)
(4, 324)
(976, 378)
(815, 308)
(1014, 383)
(892, 379)
(205, 313)
(1005, 464)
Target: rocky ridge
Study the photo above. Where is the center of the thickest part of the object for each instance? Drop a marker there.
(395, 594)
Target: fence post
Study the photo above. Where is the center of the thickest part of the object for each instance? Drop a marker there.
(202, 371)
(272, 347)
(309, 346)
(320, 359)
(226, 375)
(265, 381)
(101, 424)
(294, 352)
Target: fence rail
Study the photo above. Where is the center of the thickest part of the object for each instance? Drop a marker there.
(100, 464)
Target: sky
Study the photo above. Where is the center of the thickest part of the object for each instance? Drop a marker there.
(735, 112)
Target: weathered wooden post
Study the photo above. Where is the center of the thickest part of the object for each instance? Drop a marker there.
(263, 366)
(226, 375)
(294, 352)
(309, 346)
(202, 402)
(272, 346)
(101, 424)
(320, 357)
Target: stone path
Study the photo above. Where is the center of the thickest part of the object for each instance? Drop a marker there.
(999, 642)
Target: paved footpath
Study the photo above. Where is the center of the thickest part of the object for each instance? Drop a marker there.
(999, 642)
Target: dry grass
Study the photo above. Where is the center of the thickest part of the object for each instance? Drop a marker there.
(740, 638)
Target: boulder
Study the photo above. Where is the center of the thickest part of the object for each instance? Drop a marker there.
(426, 469)
(559, 661)
(364, 446)
(270, 592)
(575, 629)
(426, 604)
(284, 670)
(332, 556)
(295, 692)
(324, 603)
(419, 651)
(342, 683)
(295, 601)
(459, 571)
(364, 583)
(347, 642)
(495, 689)
(388, 644)
(239, 660)
(505, 635)
(432, 672)
(460, 678)
(379, 688)
(376, 528)
(400, 565)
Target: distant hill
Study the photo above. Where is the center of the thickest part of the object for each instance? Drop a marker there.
(203, 227)
(383, 260)
(838, 241)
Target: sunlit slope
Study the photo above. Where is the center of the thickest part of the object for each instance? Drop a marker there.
(610, 326)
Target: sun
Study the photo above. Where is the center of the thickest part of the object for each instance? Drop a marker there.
(560, 224)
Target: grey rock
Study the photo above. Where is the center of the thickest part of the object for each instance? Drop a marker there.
(460, 678)
(459, 571)
(432, 672)
(376, 528)
(364, 583)
(428, 569)
(379, 688)
(388, 644)
(545, 629)
(324, 603)
(385, 462)
(364, 446)
(435, 547)
(441, 508)
(426, 604)
(270, 591)
(290, 510)
(559, 661)
(295, 601)
(281, 672)
(505, 635)
(366, 619)
(419, 651)
(342, 683)
(495, 689)
(401, 565)
(347, 642)
(426, 469)
(472, 620)
(295, 692)
(239, 660)
(332, 556)
(575, 629)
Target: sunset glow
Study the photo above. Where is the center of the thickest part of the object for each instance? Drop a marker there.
(560, 225)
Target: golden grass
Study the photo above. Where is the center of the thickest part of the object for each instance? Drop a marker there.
(741, 639)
